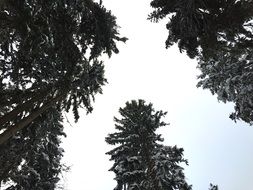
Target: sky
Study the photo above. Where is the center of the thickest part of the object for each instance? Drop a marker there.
(219, 150)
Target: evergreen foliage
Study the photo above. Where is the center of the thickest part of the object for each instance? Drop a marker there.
(204, 24)
(49, 54)
(49, 63)
(32, 158)
(140, 160)
(230, 76)
(219, 33)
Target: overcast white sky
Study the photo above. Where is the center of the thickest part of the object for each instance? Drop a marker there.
(218, 150)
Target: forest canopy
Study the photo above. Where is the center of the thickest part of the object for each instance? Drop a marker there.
(49, 56)
(49, 63)
(219, 34)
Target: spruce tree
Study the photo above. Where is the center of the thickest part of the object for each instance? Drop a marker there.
(140, 160)
(229, 75)
(200, 26)
(219, 33)
(32, 158)
(49, 55)
(49, 63)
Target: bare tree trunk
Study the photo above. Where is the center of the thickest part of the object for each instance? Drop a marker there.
(12, 130)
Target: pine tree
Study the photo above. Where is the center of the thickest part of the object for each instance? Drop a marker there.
(219, 33)
(32, 158)
(140, 160)
(49, 55)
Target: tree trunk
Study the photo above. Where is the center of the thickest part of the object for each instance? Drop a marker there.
(150, 164)
(12, 114)
(11, 131)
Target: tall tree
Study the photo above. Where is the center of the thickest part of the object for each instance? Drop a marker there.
(32, 158)
(49, 54)
(140, 160)
(219, 33)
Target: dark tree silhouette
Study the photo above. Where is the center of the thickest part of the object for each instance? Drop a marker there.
(49, 54)
(204, 24)
(49, 63)
(219, 33)
(32, 159)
